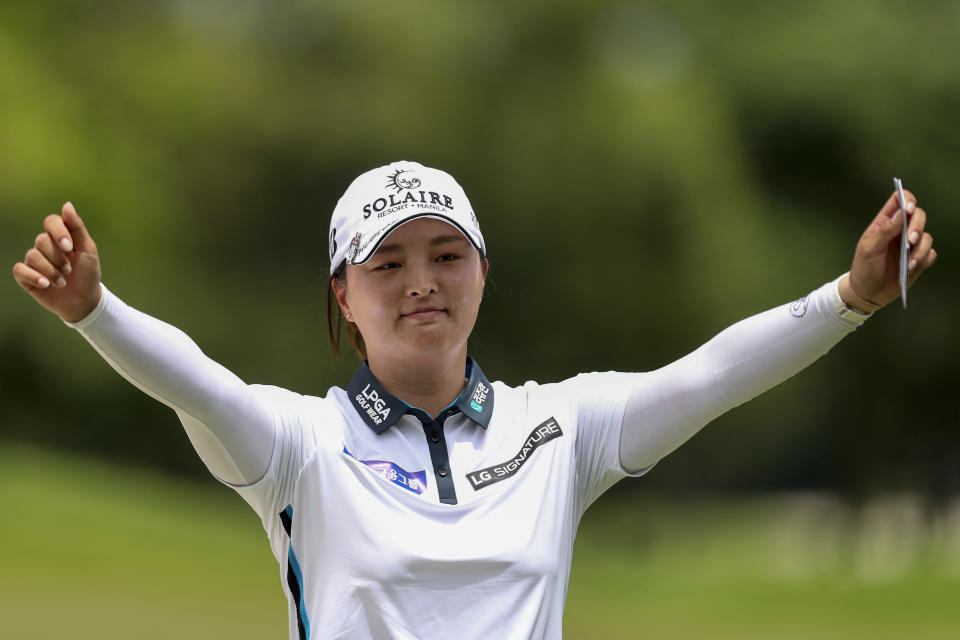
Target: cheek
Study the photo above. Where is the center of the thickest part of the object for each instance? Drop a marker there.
(471, 293)
(372, 308)
(367, 304)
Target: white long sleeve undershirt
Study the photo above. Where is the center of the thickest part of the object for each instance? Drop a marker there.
(231, 430)
(234, 433)
(673, 403)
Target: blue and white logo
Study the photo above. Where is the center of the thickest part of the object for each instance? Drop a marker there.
(414, 481)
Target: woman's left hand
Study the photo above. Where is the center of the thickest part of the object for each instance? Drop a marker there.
(874, 276)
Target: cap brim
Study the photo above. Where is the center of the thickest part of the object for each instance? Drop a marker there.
(370, 250)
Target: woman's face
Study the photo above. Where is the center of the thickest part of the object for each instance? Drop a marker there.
(418, 295)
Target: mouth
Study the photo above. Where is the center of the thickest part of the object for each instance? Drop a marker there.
(425, 313)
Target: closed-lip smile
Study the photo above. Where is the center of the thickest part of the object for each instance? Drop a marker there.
(423, 312)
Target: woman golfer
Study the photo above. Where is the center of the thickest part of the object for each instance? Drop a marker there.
(422, 500)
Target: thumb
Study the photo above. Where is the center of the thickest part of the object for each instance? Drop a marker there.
(78, 231)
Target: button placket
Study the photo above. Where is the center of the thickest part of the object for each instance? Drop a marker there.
(439, 457)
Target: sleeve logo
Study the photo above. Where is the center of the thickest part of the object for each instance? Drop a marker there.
(799, 308)
(542, 434)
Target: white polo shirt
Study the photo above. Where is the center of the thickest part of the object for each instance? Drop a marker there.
(388, 524)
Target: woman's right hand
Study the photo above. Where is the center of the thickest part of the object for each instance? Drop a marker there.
(62, 270)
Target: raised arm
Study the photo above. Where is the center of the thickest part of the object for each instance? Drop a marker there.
(668, 406)
(229, 427)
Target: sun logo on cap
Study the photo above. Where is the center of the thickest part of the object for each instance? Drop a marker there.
(401, 182)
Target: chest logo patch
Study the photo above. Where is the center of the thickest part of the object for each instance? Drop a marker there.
(541, 434)
(415, 481)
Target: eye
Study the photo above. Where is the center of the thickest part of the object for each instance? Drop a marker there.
(387, 266)
(448, 257)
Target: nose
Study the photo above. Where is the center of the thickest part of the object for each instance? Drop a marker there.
(420, 280)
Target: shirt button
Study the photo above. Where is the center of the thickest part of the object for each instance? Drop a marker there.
(434, 436)
(442, 472)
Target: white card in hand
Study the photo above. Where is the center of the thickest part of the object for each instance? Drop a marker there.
(904, 243)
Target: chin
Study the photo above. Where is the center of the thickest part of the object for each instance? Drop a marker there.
(432, 342)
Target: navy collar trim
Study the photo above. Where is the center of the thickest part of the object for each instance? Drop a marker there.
(380, 409)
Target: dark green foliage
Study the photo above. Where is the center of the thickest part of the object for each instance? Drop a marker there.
(645, 175)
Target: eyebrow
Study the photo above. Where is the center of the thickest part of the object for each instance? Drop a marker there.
(387, 248)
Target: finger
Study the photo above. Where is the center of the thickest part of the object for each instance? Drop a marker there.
(39, 263)
(923, 266)
(892, 205)
(917, 223)
(54, 225)
(919, 253)
(880, 233)
(887, 224)
(78, 231)
(29, 279)
(44, 244)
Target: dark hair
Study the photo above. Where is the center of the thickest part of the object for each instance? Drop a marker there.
(333, 332)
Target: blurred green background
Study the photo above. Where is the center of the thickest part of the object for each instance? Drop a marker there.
(645, 175)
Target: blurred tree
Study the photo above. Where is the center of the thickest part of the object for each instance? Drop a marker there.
(646, 174)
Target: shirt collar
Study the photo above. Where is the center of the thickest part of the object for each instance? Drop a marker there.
(380, 409)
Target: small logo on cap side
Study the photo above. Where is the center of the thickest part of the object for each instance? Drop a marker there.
(354, 248)
(400, 182)
(333, 242)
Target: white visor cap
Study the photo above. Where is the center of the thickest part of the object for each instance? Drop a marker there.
(382, 199)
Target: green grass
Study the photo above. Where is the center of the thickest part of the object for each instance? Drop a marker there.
(772, 567)
(89, 550)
